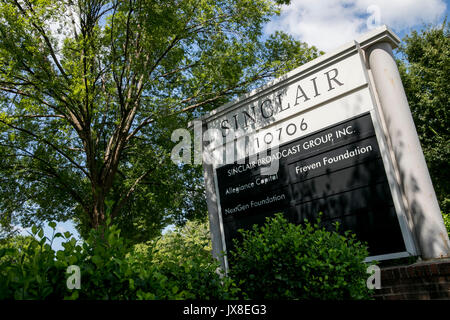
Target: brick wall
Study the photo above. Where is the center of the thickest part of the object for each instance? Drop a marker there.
(420, 281)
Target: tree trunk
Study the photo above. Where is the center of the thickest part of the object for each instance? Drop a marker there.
(98, 210)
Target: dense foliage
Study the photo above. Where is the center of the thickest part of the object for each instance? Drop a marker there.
(31, 269)
(183, 257)
(91, 90)
(446, 217)
(425, 71)
(281, 260)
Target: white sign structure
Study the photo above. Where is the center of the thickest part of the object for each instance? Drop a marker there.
(340, 134)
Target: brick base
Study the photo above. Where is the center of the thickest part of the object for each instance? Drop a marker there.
(420, 281)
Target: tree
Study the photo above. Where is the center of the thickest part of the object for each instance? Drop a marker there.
(92, 89)
(425, 72)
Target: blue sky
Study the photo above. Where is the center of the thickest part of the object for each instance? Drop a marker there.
(328, 24)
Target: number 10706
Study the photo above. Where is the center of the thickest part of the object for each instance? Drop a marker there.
(288, 130)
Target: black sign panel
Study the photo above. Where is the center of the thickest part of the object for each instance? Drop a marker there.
(337, 171)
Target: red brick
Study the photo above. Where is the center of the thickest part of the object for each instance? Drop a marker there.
(419, 270)
(396, 274)
(434, 270)
(413, 281)
(398, 289)
(426, 280)
(443, 287)
(410, 271)
(403, 273)
(384, 291)
(394, 297)
(424, 287)
(440, 295)
(418, 296)
(426, 271)
(414, 288)
(444, 268)
(386, 283)
(416, 282)
(441, 279)
(386, 274)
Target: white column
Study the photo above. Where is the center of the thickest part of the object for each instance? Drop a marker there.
(415, 180)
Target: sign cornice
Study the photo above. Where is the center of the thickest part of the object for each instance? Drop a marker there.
(381, 34)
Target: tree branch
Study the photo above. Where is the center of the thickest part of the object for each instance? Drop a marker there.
(39, 116)
(50, 171)
(49, 144)
(44, 36)
(123, 200)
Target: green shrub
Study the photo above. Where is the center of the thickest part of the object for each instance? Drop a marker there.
(31, 269)
(184, 260)
(28, 268)
(446, 217)
(178, 266)
(281, 260)
(105, 271)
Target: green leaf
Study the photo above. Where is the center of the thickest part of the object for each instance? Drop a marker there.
(73, 296)
(97, 260)
(58, 235)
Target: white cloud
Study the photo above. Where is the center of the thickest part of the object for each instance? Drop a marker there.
(328, 24)
(22, 231)
(61, 229)
(66, 24)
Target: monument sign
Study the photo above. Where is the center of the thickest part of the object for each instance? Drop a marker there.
(333, 136)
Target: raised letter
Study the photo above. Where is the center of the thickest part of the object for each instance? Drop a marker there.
(262, 108)
(333, 78)
(246, 114)
(315, 87)
(281, 106)
(299, 88)
(235, 121)
(225, 126)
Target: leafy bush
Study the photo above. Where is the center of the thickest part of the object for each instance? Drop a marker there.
(183, 257)
(170, 268)
(28, 268)
(281, 260)
(446, 217)
(31, 269)
(105, 271)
